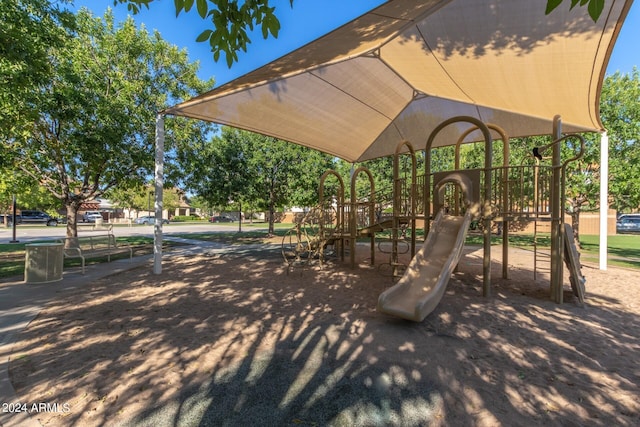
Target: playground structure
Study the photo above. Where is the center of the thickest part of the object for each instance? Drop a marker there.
(445, 202)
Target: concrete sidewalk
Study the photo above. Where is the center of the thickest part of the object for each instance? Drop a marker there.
(20, 303)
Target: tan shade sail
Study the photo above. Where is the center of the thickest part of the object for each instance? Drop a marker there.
(398, 71)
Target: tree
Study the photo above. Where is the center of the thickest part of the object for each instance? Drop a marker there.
(247, 168)
(26, 192)
(141, 198)
(284, 173)
(221, 174)
(620, 113)
(582, 179)
(230, 21)
(95, 127)
(29, 30)
(199, 203)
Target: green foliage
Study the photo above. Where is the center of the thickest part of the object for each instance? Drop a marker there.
(185, 218)
(92, 123)
(442, 159)
(217, 170)
(30, 29)
(200, 203)
(29, 195)
(142, 197)
(382, 171)
(594, 7)
(256, 171)
(283, 173)
(620, 112)
(230, 22)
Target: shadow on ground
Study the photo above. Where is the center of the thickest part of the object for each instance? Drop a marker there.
(234, 339)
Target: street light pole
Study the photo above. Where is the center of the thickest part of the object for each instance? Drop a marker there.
(149, 195)
(13, 220)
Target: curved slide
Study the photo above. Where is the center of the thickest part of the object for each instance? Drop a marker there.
(422, 286)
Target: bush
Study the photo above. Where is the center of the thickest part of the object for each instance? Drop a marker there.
(184, 218)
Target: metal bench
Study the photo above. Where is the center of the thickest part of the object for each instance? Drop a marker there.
(93, 246)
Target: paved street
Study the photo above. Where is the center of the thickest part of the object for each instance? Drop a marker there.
(29, 233)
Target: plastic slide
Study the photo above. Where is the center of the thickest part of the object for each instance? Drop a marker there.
(422, 286)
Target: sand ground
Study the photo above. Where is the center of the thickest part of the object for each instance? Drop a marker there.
(234, 338)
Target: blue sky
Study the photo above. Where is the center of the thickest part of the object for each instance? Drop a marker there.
(307, 21)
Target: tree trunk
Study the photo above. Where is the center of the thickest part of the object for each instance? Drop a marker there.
(272, 215)
(575, 224)
(72, 214)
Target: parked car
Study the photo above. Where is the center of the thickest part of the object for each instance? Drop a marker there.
(148, 220)
(36, 217)
(221, 218)
(91, 216)
(632, 215)
(628, 224)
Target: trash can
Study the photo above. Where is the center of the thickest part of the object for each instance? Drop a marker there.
(43, 262)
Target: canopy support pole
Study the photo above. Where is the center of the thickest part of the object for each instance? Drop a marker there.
(604, 198)
(159, 184)
(556, 216)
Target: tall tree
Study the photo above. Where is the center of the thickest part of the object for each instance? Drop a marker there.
(620, 112)
(95, 126)
(221, 172)
(284, 173)
(141, 198)
(240, 166)
(582, 180)
(29, 30)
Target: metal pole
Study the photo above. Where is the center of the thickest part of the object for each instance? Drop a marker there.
(159, 184)
(353, 223)
(486, 263)
(505, 204)
(556, 216)
(604, 198)
(14, 218)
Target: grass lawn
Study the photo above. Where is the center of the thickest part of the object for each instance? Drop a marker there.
(12, 255)
(251, 234)
(624, 250)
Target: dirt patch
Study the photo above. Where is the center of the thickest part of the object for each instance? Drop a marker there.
(236, 339)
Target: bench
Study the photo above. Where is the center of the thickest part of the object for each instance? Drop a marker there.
(93, 246)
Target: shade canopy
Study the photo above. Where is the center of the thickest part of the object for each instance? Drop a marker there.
(398, 71)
